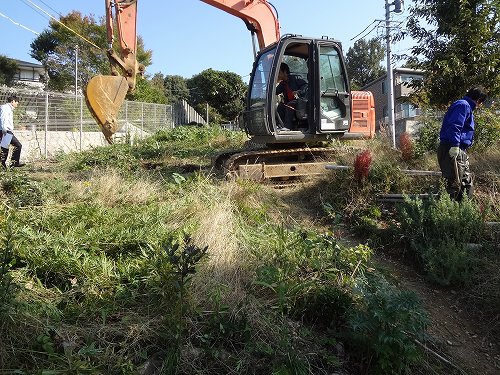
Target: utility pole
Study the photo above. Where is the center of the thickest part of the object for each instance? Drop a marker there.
(398, 8)
(76, 71)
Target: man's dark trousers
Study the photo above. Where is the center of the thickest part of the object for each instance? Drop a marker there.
(456, 185)
(16, 154)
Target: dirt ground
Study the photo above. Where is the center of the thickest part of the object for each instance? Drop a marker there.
(456, 340)
(465, 343)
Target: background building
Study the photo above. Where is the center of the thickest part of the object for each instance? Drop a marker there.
(30, 75)
(405, 113)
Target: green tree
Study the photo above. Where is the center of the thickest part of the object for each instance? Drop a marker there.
(363, 62)
(176, 88)
(148, 91)
(56, 47)
(8, 70)
(457, 44)
(222, 91)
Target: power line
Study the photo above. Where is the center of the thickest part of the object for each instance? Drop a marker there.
(366, 29)
(18, 24)
(52, 9)
(62, 24)
(36, 10)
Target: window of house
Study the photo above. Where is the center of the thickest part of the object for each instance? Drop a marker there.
(383, 87)
(409, 78)
(408, 110)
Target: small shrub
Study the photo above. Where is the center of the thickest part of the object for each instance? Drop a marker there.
(362, 165)
(119, 156)
(427, 137)
(386, 177)
(438, 232)
(487, 132)
(384, 324)
(21, 191)
(406, 146)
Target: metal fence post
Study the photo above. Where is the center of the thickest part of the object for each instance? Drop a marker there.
(46, 123)
(81, 122)
(172, 122)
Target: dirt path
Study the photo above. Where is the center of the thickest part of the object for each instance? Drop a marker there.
(466, 343)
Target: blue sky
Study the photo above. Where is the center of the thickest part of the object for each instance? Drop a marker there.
(188, 36)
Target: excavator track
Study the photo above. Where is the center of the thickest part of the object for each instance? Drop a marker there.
(272, 164)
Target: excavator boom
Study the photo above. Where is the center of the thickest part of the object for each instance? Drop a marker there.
(105, 94)
(258, 15)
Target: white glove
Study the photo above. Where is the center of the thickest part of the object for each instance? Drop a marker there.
(454, 151)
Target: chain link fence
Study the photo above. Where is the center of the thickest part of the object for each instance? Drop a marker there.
(47, 123)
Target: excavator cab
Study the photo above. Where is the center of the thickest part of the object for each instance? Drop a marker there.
(322, 110)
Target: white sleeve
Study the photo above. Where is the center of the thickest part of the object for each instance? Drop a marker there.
(6, 118)
(3, 118)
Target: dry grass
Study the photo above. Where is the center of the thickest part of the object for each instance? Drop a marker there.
(110, 189)
(211, 210)
(487, 161)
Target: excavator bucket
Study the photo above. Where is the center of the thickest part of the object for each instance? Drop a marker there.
(104, 96)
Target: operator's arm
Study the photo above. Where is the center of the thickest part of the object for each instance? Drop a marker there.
(280, 88)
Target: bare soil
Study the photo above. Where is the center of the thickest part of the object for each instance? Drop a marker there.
(457, 340)
(458, 337)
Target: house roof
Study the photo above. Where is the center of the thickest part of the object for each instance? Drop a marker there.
(395, 70)
(26, 64)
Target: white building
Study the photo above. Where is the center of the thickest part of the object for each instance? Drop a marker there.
(30, 75)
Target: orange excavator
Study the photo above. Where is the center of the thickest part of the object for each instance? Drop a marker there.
(326, 109)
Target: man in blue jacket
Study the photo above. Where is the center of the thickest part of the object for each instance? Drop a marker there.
(456, 136)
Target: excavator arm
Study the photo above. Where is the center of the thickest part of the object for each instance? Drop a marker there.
(105, 94)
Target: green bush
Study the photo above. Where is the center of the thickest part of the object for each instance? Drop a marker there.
(119, 156)
(385, 324)
(386, 177)
(427, 137)
(438, 233)
(487, 133)
(20, 190)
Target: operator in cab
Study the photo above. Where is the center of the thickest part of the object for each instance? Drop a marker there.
(289, 86)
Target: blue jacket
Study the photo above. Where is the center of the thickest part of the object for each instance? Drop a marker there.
(458, 124)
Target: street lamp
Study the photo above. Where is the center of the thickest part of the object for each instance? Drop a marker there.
(398, 8)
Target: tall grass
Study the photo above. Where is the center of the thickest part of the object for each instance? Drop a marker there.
(95, 285)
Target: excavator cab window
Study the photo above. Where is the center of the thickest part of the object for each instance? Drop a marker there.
(261, 77)
(292, 114)
(334, 100)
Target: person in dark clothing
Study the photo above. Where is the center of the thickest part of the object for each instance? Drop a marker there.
(7, 136)
(456, 136)
(289, 86)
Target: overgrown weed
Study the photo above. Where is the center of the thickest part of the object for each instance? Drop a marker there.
(96, 291)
